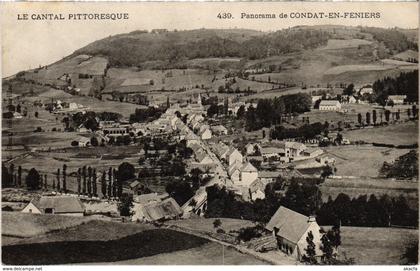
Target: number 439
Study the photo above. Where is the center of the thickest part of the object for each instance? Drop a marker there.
(223, 15)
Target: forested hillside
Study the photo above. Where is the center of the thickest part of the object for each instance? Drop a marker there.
(174, 46)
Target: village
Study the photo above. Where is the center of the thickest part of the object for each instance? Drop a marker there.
(292, 173)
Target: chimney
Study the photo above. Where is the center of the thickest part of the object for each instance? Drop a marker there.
(311, 219)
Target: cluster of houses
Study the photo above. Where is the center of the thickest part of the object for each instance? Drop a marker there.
(246, 179)
(60, 107)
(288, 228)
(334, 103)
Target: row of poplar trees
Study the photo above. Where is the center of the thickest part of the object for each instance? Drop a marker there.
(111, 187)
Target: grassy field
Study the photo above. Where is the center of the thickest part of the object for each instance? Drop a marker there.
(73, 66)
(110, 242)
(376, 246)
(206, 224)
(151, 242)
(334, 44)
(208, 254)
(26, 225)
(398, 134)
(120, 79)
(362, 160)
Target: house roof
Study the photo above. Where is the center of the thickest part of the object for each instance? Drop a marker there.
(195, 147)
(294, 145)
(203, 131)
(84, 139)
(397, 97)
(219, 128)
(329, 102)
(270, 150)
(201, 156)
(134, 184)
(290, 224)
(232, 150)
(235, 166)
(248, 167)
(268, 174)
(60, 204)
(166, 209)
(147, 198)
(221, 149)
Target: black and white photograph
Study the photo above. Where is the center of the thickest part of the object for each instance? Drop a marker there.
(209, 133)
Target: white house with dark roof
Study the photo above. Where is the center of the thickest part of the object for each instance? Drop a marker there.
(291, 228)
(56, 205)
(153, 207)
(221, 150)
(235, 172)
(248, 174)
(397, 99)
(203, 158)
(234, 155)
(205, 134)
(84, 141)
(329, 105)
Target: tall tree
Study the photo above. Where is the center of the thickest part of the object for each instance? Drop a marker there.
(368, 118)
(114, 183)
(125, 205)
(374, 116)
(103, 184)
(58, 180)
(12, 172)
(359, 118)
(19, 180)
(94, 185)
(110, 183)
(45, 182)
(89, 184)
(79, 181)
(32, 179)
(327, 250)
(65, 178)
(309, 256)
(84, 180)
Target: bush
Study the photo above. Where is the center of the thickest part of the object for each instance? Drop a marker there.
(220, 231)
(246, 234)
(74, 143)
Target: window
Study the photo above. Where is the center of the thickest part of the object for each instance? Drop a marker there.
(49, 210)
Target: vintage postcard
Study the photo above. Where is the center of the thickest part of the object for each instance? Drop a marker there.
(209, 133)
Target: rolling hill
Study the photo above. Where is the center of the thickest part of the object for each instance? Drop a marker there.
(162, 61)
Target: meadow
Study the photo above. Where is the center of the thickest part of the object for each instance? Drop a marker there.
(110, 242)
(362, 160)
(376, 246)
(397, 134)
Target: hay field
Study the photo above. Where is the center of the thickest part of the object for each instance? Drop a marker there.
(363, 160)
(28, 225)
(376, 246)
(334, 44)
(398, 134)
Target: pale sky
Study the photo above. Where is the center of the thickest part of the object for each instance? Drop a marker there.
(27, 44)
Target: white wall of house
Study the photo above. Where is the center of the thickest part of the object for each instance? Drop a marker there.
(235, 156)
(206, 134)
(236, 176)
(248, 177)
(258, 195)
(303, 244)
(31, 208)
